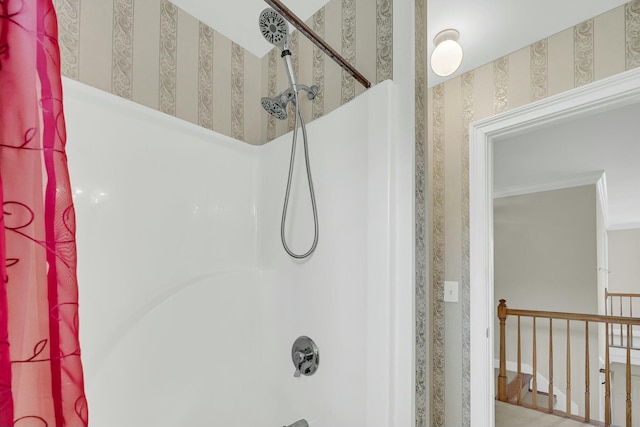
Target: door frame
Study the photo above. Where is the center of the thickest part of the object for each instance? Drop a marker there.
(606, 94)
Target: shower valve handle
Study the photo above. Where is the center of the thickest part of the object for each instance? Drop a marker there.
(298, 359)
(305, 357)
(302, 361)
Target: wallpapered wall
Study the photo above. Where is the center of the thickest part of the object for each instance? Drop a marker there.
(361, 30)
(422, 292)
(156, 54)
(597, 48)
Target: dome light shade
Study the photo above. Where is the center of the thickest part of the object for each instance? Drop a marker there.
(447, 56)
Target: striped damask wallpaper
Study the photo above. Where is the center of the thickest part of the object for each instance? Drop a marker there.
(597, 48)
(153, 53)
(421, 292)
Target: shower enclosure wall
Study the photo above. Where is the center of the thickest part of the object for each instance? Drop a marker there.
(188, 303)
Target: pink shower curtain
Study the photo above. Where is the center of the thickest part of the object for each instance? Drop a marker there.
(41, 381)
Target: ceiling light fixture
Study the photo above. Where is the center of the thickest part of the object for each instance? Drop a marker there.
(447, 56)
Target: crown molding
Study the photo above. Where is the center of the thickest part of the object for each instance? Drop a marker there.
(575, 181)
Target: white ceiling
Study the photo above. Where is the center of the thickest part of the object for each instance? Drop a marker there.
(576, 153)
(238, 19)
(489, 29)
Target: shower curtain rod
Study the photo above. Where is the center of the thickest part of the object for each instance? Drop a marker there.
(315, 39)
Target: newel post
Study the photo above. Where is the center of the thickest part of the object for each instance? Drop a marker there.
(502, 377)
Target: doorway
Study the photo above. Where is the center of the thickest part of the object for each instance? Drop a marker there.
(614, 92)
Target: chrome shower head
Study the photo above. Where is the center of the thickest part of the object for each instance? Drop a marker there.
(274, 28)
(276, 106)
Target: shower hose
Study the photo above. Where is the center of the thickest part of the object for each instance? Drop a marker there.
(298, 115)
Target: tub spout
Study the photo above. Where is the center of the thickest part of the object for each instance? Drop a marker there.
(299, 423)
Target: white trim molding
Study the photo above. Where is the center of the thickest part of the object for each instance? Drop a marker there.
(603, 197)
(627, 226)
(603, 95)
(575, 181)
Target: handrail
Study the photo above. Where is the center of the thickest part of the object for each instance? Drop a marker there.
(504, 312)
(573, 316)
(319, 42)
(619, 310)
(620, 294)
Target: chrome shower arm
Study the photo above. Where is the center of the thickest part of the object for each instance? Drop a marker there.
(290, 93)
(311, 91)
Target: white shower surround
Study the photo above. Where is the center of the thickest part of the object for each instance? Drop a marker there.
(188, 303)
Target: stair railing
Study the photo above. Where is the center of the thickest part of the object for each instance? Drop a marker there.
(621, 304)
(504, 312)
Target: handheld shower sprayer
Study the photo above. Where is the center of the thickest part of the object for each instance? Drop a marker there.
(275, 30)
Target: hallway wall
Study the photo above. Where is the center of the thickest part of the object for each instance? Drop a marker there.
(624, 252)
(597, 48)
